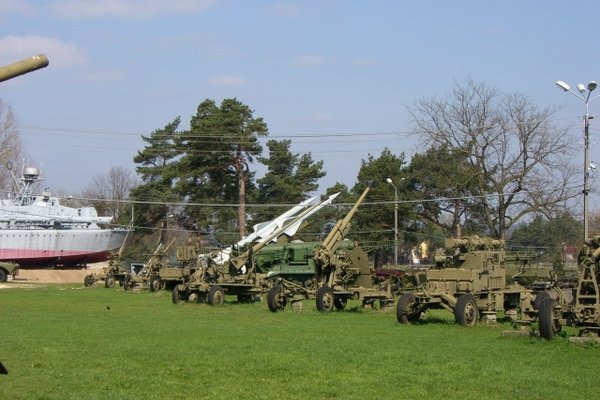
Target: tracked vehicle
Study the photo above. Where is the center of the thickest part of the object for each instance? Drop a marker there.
(331, 272)
(472, 282)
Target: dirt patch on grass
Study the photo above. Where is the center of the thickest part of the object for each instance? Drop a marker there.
(33, 277)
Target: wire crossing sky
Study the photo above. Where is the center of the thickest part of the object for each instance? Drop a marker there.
(333, 76)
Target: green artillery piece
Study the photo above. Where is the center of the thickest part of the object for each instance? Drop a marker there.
(581, 307)
(170, 276)
(114, 272)
(331, 272)
(472, 282)
(22, 67)
(233, 271)
(148, 276)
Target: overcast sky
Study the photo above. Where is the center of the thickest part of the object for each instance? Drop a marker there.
(321, 68)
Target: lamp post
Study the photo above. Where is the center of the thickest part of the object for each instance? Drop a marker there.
(586, 140)
(389, 180)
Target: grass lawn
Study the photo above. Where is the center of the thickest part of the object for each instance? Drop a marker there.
(69, 342)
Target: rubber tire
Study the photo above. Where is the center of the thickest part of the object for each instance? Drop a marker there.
(539, 299)
(155, 283)
(109, 281)
(466, 312)
(3, 276)
(325, 299)
(276, 300)
(216, 296)
(546, 319)
(340, 303)
(403, 309)
(88, 280)
(126, 283)
(176, 296)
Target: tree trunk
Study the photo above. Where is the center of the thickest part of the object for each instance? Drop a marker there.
(456, 223)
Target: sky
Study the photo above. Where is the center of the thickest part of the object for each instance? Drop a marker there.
(333, 76)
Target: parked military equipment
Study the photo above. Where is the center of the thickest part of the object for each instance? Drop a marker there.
(233, 270)
(22, 67)
(114, 272)
(170, 276)
(579, 308)
(8, 269)
(147, 276)
(332, 272)
(190, 259)
(471, 282)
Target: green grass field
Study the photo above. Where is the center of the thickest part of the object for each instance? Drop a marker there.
(61, 342)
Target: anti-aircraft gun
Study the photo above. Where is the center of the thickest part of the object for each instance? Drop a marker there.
(340, 271)
(115, 271)
(22, 67)
(581, 307)
(469, 282)
(147, 277)
(233, 270)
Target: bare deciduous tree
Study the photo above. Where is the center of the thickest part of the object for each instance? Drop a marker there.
(519, 157)
(11, 147)
(111, 189)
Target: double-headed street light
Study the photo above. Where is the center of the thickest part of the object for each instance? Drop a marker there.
(389, 180)
(586, 139)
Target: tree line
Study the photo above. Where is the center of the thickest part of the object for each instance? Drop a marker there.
(491, 164)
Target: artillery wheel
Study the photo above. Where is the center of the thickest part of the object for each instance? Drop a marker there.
(155, 283)
(325, 299)
(340, 303)
(109, 281)
(216, 296)
(539, 299)
(404, 310)
(88, 280)
(176, 295)
(3, 276)
(276, 299)
(548, 325)
(466, 312)
(126, 283)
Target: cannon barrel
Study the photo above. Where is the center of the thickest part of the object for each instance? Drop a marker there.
(342, 227)
(22, 67)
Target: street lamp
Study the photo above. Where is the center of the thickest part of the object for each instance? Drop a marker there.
(586, 139)
(389, 180)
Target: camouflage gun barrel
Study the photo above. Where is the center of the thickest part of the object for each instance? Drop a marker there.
(22, 67)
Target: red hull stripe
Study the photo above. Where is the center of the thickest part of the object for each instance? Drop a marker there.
(28, 257)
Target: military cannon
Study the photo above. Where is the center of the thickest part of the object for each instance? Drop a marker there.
(22, 67)
(471, 281)
(335, 271)
(233, 270)
(114, 272)
(147, 277)
(579, 308)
